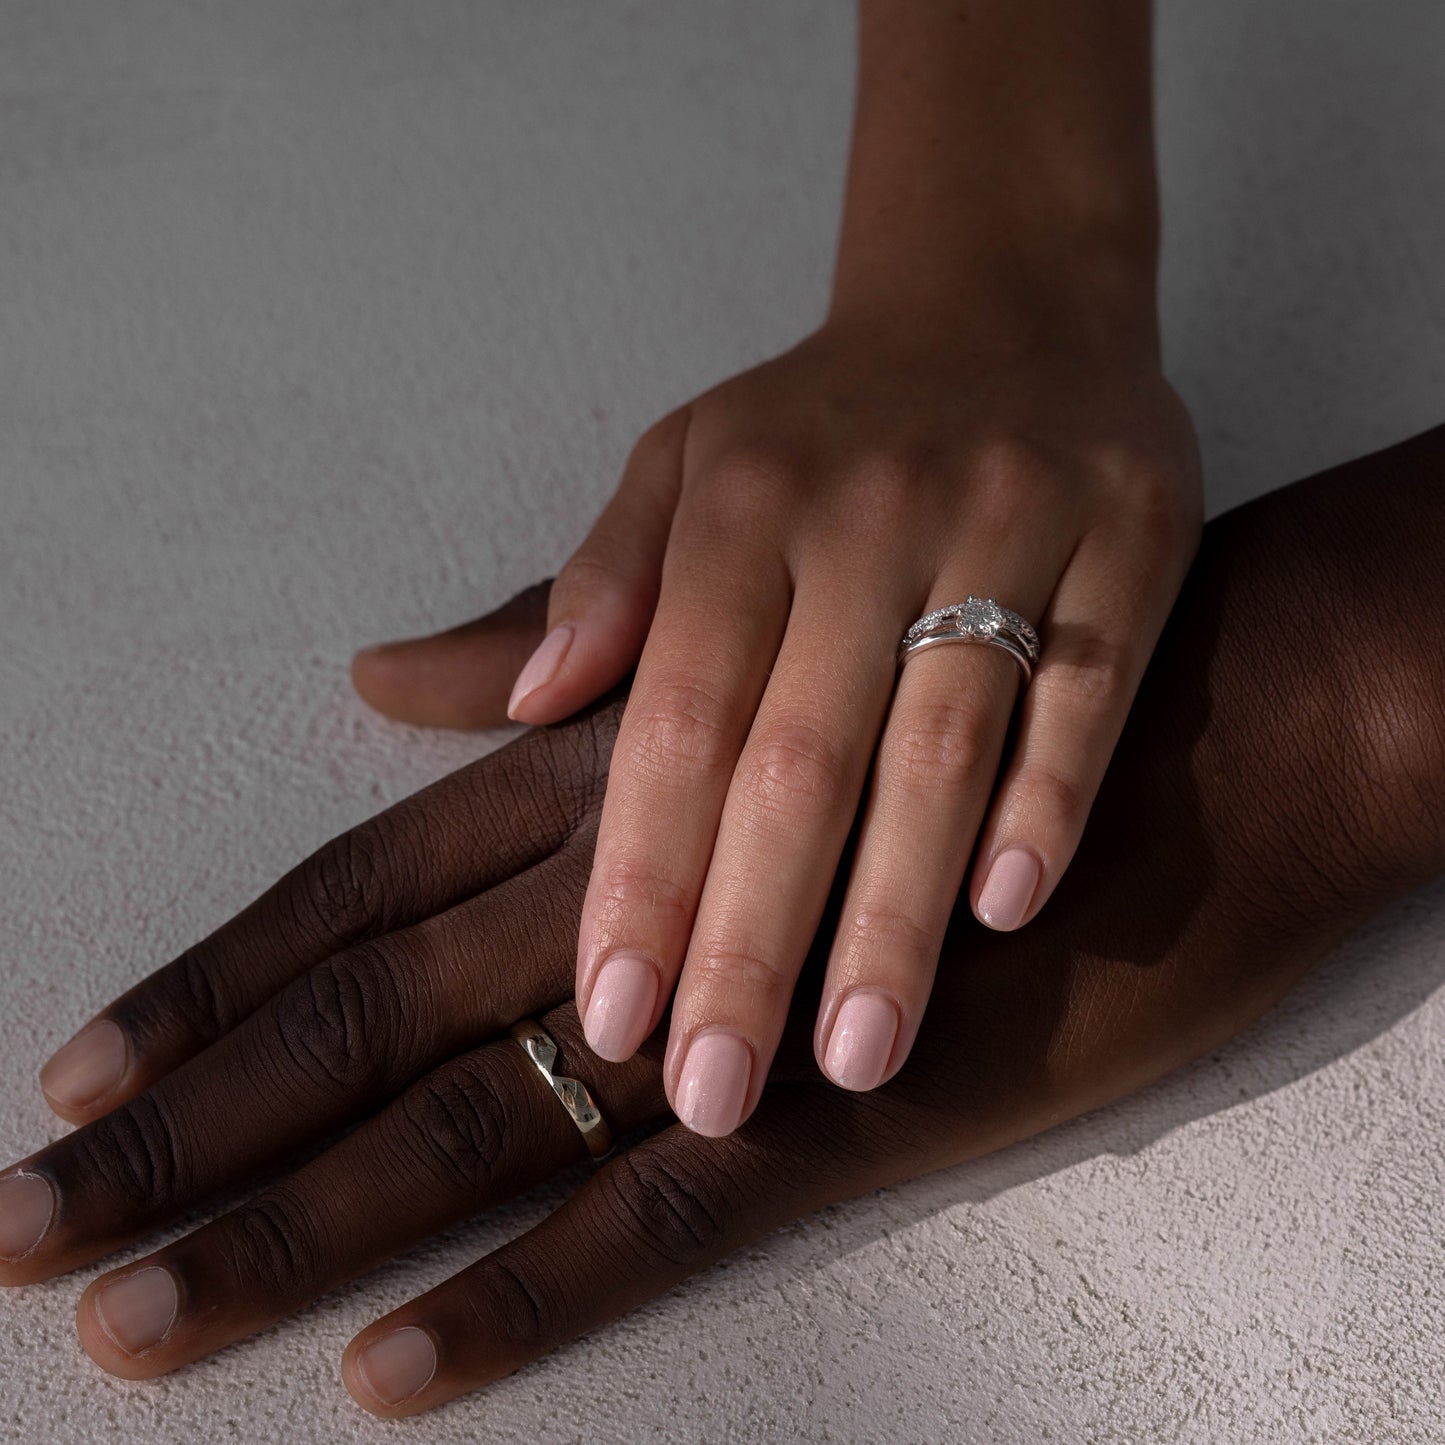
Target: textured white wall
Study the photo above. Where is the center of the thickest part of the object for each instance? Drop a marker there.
(325, 322)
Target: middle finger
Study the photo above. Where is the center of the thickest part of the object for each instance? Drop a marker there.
(792, 802)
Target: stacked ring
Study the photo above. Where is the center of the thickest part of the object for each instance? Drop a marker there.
(976, 619)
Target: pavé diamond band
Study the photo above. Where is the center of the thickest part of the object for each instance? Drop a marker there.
(539, 1046)
(975, 619)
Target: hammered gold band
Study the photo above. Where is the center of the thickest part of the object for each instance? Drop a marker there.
(541, 1048)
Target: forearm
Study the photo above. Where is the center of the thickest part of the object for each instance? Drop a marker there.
(1002, 153)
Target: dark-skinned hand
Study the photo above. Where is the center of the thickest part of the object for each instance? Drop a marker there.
(1280, 778)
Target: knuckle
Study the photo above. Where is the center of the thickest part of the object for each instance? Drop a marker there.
(733, 973)
(558, 776)
(135, 1154)
(192, 995)
(938, 745)
(1007, 473)
(677, 1217)
(757, 469)
(743, 487)
(456, 1125)
(624, 885)
(338, 892)
(879, 936)
(273, 1241)
(601, 564)
(676, 733)
(511, 1304)
(795, 767)
(1158, 511)
(337, 1024)
(1045, 794)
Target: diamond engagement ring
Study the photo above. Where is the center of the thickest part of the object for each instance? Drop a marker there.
(975, 619)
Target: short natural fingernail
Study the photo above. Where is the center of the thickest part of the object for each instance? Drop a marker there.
(714, 1083)
(27, 1205)
(542, 666)
(137, 1309)
(620, 1009)
(1009, 888)
(87, 1068)
(862, 1039)
(397, 1365)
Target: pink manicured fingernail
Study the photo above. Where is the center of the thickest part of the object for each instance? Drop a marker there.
(620, 1009)
(27, 1205)
(397, 1365)
(714, 1083)
(137, 1309)
(1009, 888)
(87, 1068)
(541, 667)
(862, 1039)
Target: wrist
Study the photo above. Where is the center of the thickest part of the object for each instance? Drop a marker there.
(1088, 294)
(1001, 173)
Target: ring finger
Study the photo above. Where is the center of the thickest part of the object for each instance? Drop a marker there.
(936, 767)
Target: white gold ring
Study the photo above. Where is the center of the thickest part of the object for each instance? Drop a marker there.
(975, 619)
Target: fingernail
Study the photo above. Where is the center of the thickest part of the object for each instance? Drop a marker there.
(862, 1039)
(87, 1068)
(137, 1309)
(714, 1083)
(27, 1205)
(620, 1009)
(397, 1365)
(542, 666)
(1009, 888)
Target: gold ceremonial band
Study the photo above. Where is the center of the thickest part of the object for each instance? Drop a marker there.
(538, 1045)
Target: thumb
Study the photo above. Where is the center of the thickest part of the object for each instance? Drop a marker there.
(556, 646)
(459, 678)
(602, 602)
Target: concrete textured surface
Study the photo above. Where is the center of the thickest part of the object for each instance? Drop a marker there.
(328, 322)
